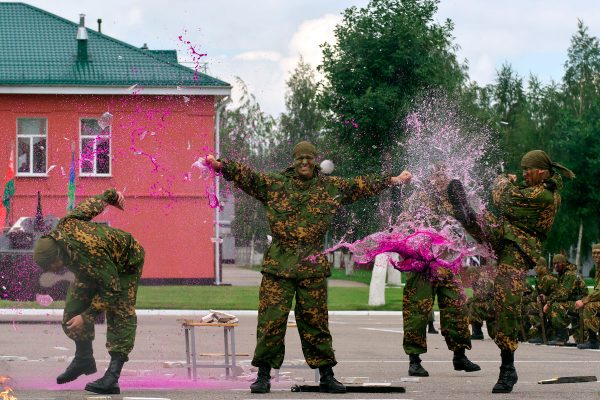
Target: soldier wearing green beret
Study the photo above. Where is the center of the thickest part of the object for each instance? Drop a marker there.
(591, 307)
(300, 205)
(107, 263)
(526, 214)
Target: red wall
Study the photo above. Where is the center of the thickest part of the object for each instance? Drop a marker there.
(166, 211)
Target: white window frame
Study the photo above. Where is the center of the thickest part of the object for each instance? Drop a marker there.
(94, 173)
(31, 137)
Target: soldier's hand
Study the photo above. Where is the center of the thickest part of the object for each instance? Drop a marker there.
(120, 201)
(401, 179)
(75, 323)
(579, 304)
(546, 307)
(512, 178)
(210, 160)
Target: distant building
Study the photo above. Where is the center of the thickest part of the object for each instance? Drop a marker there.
(56, 79)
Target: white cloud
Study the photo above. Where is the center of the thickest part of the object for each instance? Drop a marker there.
(258, 56)
(307, 40)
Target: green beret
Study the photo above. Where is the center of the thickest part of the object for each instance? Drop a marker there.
(596, 246)
(559, 258)
(542, 262)
(304, 148)
(45, 251)
(540, 160)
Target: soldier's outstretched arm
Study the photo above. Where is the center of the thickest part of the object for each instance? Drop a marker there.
(364, 186)
(89, 208)
(254, 183)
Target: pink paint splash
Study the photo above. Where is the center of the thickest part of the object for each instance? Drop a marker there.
(208, 173)
(194, 54)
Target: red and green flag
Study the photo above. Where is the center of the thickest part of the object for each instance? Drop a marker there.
(9, 185)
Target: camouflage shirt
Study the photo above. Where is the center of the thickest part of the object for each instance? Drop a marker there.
(595, 294)
(299, 213)
(546, 284)
(570, 286)
(96, 253)
(527, 212)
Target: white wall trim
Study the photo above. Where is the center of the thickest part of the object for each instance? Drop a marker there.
(118, 90)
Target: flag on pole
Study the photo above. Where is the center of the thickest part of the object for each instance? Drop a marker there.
(71, 191)
(9, 186)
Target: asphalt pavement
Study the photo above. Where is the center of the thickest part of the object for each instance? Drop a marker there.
(368, 348)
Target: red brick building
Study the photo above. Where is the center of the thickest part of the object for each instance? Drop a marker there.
(56, 79)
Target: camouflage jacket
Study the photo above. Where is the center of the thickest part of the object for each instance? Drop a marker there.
(570, 286)
(595, 294)
(299, 213)
(526, 213)
(97, 253)
(546, 284)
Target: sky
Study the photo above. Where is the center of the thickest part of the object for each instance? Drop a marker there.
(260, 41)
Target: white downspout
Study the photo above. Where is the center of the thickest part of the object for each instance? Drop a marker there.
(220, 106)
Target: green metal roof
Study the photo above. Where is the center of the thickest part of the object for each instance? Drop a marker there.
(39, 48)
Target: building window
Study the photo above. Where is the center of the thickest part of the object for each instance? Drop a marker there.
(31, 146)
(95, 148)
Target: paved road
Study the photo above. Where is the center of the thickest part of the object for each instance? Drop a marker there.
(366, 346)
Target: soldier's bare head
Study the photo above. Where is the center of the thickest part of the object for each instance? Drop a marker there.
(596, 253)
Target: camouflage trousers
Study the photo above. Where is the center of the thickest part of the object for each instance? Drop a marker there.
(508, 293)
(562, 314)
(121, 320)
(591, 316)
(417, 305)
(480, 310)
(532, 312)
(312, 320)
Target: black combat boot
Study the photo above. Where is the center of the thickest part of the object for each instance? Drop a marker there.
(327, 383)
(109, 383)
(508, 374)
(431, 328)
(262, 384)
(561, 338)
(462, 363)
(477, 332)
(414, 367)
(462, 210)
(83, 363)
(592, 343)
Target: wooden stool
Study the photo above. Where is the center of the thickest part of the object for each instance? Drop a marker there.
(190, 344)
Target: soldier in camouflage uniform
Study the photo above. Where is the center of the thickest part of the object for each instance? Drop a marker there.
(107, 263)
(300, 206)
(560, 306)
(545, 285)
(526, 214)
(591, 307)
(481, 309)
(421, 289)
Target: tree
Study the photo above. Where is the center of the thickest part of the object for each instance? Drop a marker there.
(248, 134)
(385, 54)
(303, 119)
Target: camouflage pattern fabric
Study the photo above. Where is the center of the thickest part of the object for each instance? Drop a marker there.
(480, 307)
(275, 302)
(107, 263)
(526, 215)
(545, 284)
(299, 214)
(591, 316)
(570, 288)
(417, 303)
